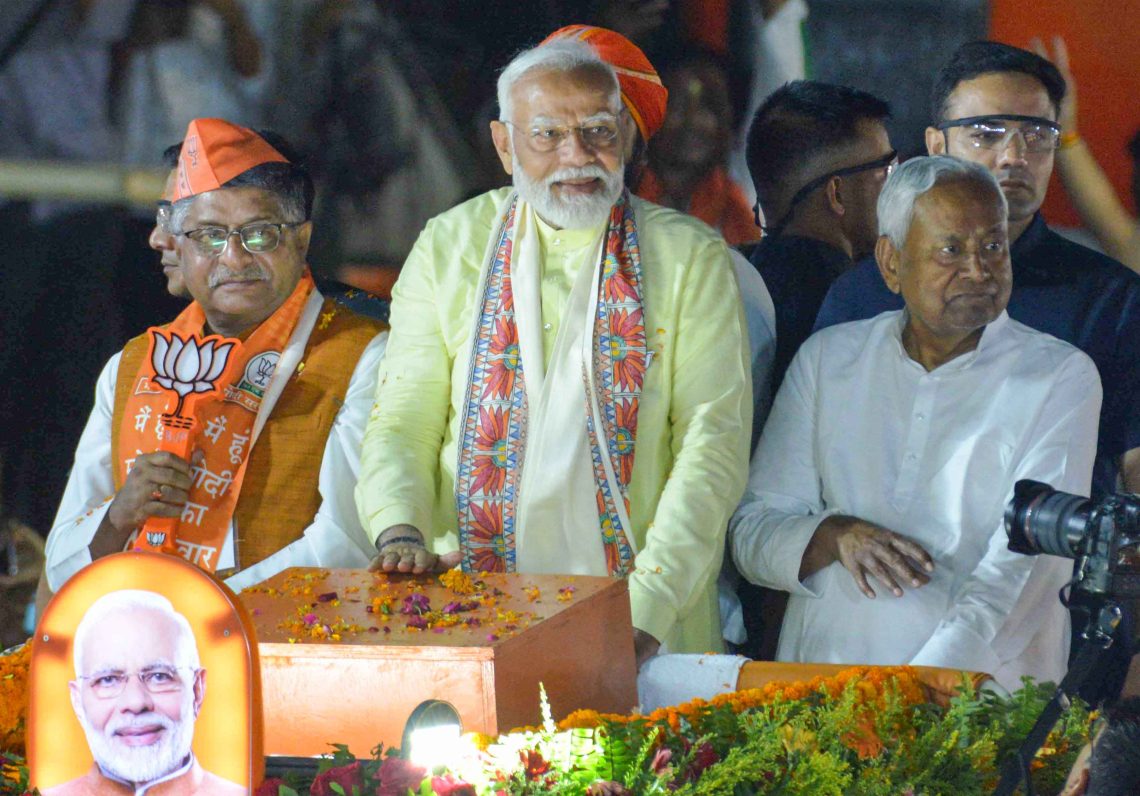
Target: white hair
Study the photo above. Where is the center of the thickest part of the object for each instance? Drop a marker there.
(128, 600)
(563, 55)
(913, 179)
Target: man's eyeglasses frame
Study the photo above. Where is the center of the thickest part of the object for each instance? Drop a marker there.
(887, 161)
(243, 233)
(997, 119)
(597, 141)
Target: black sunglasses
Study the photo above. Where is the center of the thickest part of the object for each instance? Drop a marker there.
(887, 161)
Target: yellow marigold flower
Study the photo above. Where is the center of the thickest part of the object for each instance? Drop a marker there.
(479, 740)
(798, 740)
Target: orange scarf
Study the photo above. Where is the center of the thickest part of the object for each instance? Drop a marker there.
(187, 414)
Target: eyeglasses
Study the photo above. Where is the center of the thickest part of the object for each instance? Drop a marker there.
(164, 213)
(598, 134)
(887, 162)
(257, 238)
(997, 132)
(156, 680)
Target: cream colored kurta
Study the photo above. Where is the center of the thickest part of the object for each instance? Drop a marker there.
(693, 423)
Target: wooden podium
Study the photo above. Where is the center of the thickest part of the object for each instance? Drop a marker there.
(347, 655)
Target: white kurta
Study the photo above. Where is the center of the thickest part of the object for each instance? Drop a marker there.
(859, 428)
(334, 539)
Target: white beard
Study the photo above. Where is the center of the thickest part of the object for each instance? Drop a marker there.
(138, 764)
(580, 211)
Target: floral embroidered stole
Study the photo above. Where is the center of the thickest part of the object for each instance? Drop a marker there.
(493, 433)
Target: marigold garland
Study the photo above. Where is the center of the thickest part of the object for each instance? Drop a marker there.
(869, 682)
(865, 730)
(14, 698)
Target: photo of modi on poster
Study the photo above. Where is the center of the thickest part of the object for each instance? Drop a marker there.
(156, 682)
(138, 688)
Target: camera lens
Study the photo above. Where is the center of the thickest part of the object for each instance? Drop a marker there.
(1039, 519)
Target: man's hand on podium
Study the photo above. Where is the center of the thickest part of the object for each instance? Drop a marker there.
(401, 548)
(644, 646)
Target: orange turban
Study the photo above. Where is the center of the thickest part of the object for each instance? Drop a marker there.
(215, 151)
(641, 88)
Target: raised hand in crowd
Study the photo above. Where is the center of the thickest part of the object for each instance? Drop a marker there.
(1093, 196)
(637, 20)
(242, 44)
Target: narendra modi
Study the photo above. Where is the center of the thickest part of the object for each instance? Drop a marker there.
(568, 371)
(138, 689)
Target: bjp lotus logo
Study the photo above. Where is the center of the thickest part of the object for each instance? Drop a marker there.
(155, 539)
(188, 366)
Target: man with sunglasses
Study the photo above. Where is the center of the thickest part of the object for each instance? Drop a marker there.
(997, 105)
(268, 483)
(818, 154)
(162, 238)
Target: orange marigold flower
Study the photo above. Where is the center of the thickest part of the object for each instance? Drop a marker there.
(458, 581)
(14, 698)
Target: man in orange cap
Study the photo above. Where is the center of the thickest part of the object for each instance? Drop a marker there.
(701, 186)
(543, 335)
(266, 482)
(641, 90)
(643, 95)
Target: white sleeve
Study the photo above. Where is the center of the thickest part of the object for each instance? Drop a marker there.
(760, 315)
(1060, 452)
(90, 487)
(783, 504)
(335, 538)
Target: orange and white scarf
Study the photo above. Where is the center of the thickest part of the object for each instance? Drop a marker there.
(230, 405)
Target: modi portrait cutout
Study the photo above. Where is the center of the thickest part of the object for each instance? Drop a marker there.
(144, 674)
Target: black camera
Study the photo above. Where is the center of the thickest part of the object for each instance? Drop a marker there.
(1104, 536)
